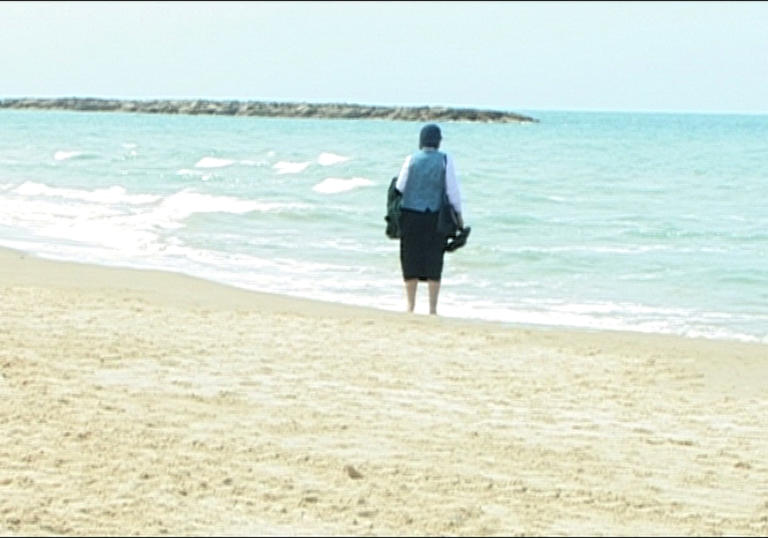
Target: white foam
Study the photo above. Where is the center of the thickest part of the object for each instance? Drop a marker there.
(98, 221)
(287, 167)
(110, 195)
(34, 214)
(178, 206)
(115, 233)
(623, 310)
(326, 159)
(65, 155)
(592, 249)
(213, 162)
(333, 185)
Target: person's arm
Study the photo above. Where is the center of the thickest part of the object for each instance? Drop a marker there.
(453, 189)
(402, 178)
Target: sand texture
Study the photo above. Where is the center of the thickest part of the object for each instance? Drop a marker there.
(146, 403)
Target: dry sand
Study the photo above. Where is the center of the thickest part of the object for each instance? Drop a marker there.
(145, 403)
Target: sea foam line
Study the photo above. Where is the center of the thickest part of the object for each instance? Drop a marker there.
(287, 167)
(63, 155)
(333, 185)
(213, 162)
(110, 195)
(327, 159)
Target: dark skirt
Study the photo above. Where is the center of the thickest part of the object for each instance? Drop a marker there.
(421, 246)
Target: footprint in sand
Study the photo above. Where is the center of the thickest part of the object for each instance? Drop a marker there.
(352, 472)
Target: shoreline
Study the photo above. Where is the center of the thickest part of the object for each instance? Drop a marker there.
(149, 402)
(296, 302)
(267, 109)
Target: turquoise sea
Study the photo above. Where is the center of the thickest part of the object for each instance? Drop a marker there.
(644, 222)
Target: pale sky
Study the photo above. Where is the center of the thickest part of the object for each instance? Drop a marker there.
(518, 56)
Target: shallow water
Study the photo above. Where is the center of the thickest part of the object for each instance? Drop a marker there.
(643, 222)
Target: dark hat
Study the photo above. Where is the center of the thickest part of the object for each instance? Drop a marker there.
(459, 241)
(430, 136)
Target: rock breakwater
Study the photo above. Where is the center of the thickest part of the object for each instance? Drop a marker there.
(268, 109)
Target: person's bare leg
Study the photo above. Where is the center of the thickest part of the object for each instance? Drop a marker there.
(410, 291)
(434, 290)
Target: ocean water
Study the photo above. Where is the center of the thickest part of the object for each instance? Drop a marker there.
(629, 221)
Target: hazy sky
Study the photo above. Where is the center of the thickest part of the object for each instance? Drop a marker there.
(661, 56)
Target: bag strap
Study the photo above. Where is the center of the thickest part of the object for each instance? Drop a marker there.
(445, 173)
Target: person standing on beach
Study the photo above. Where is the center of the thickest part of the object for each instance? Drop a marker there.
(422, 246)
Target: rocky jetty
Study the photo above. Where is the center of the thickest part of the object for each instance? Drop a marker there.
(268, 109)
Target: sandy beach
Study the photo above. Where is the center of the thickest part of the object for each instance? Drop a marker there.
(149, 403)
